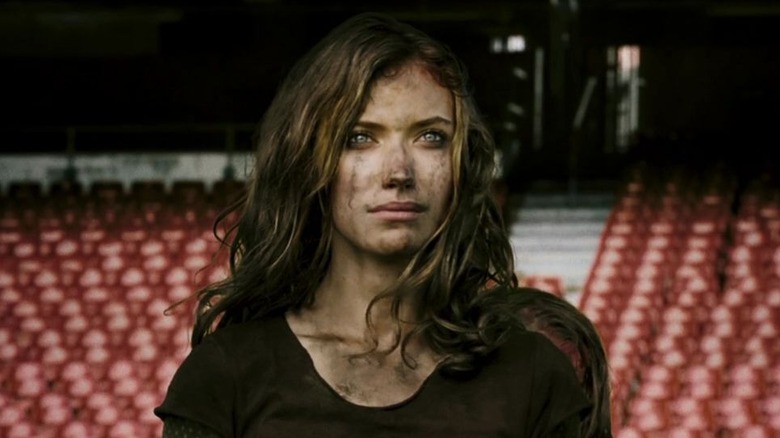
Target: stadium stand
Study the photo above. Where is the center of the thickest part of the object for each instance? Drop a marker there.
(87, 346)
(684, 289)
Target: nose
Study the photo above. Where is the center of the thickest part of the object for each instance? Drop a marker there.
(398, 167)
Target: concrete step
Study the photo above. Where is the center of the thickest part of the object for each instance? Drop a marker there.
(532, 200)
(535, 245)
(559, 259)
(555, 231)
(567, 215)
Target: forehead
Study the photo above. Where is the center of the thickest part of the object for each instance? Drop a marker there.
(412, 90)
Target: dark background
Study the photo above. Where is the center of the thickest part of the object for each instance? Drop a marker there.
(170, 75)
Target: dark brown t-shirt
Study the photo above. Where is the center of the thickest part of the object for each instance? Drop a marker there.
(256, 380)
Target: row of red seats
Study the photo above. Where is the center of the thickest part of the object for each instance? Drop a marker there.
(656, 293)
(88, 339)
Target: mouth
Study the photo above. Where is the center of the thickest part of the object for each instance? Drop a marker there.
(397, 211)
(398, 206)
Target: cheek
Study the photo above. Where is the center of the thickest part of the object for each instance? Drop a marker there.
(350, 181)
(435, 183)
(441, 176)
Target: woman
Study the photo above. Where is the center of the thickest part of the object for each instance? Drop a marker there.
(576, 336)
(356, 304)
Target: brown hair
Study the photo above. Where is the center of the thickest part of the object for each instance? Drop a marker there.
(280, 245)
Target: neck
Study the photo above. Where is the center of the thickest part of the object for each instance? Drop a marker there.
(352, 282)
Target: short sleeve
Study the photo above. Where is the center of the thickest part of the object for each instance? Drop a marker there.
(202, 390)
(556, 383)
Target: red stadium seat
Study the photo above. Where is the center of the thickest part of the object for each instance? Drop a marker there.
(148, 190)
(188, 192)
(107, 191)
(30, 191)
(224, 192)
(22, 429)
(757, 431)
(656, 390)
(649, 417)
(123, 429)
(695, 414)
(629, 432)
(77, 429)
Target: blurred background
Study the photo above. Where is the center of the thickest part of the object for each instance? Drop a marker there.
(637, 179)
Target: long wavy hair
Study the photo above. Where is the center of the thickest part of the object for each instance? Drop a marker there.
(279, 247)
(576, 336)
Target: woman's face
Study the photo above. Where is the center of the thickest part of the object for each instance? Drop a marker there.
(394, 179)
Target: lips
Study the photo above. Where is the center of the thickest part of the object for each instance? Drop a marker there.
(397, 211)
(398, 206)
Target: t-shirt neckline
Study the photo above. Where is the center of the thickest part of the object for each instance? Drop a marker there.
(310, 368)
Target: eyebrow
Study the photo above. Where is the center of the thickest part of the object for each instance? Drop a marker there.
(416, 125)
(432, 121)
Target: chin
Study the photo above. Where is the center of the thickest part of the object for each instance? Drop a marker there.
(399, 247)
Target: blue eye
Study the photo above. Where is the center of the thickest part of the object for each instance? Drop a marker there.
(358, 138)
(434, 137)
